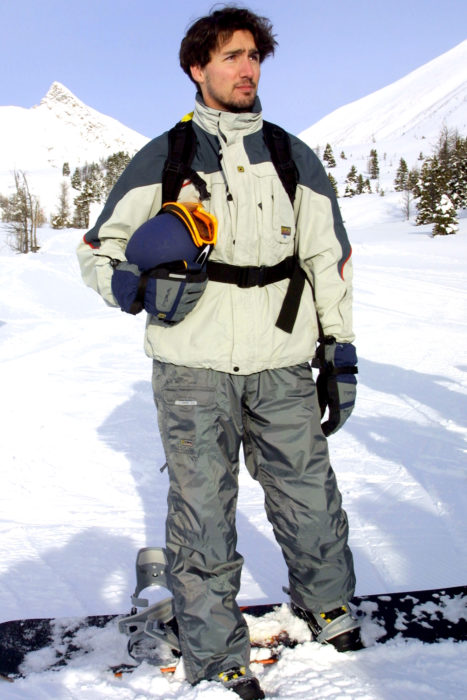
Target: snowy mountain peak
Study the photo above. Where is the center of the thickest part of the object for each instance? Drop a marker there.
(61, 128)
(59, 94)
(87, 127)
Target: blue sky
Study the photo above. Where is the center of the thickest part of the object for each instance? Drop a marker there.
(121, 56)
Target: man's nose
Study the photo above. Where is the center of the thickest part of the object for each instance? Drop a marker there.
(246, 68)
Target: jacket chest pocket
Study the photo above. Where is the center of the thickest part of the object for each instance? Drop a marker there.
(187, 419)
(275, 219)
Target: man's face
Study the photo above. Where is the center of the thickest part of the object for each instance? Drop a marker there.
(230, 80)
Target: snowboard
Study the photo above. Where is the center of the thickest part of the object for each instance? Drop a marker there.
(41, 644)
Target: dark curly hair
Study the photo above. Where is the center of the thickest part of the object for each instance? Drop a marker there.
(207, 33)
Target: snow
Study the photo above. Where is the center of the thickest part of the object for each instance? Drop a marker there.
(82, 486)
(82, 489)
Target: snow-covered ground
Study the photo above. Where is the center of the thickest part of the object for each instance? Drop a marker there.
(82, 489)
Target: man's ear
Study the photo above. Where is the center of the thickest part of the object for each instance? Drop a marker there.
(197, 74)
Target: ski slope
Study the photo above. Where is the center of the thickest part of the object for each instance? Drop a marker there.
(82, 489)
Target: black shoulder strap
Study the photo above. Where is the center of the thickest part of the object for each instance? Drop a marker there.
(278, 142)
(177, 167)
(180, 155)
(182, 146)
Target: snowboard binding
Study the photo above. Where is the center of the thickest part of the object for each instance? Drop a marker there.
(338, 627)
(152, 629)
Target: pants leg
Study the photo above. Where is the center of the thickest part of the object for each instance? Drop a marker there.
(200, 424)
(287, 452)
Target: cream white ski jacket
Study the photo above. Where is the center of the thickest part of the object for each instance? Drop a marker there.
(233, 329)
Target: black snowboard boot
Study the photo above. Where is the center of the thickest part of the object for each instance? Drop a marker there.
(246, 687)
(337, 627)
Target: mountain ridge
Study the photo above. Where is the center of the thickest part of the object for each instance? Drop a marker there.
(417, 105)
(61, 128)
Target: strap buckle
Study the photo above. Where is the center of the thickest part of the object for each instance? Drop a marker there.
(251, 277)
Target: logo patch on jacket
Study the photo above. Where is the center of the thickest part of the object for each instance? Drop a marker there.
(286, 231)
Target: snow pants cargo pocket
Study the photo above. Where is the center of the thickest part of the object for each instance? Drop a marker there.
(185, 415)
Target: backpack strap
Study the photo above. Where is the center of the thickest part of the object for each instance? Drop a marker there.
(278, 143)
(177, 167)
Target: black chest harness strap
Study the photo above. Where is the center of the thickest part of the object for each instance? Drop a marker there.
(250, 276)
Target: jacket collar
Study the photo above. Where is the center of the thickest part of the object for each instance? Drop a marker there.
(228, 125)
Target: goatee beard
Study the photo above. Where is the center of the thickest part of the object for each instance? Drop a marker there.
(241, 108)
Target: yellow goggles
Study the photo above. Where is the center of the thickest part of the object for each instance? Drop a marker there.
(200, 223)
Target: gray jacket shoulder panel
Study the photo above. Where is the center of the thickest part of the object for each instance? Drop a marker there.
(256, 149)
(311, 174)
(206, 159)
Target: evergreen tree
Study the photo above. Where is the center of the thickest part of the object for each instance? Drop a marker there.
(351, 182)
(373, 166)
(412, 179)
(114, 166)
(439, 175)
(81, 212)
(457, 180)
(401, 180)
(76, 179)
(427, 191)
(66, 169)
(333, 182)
(450, 167)
(363, 186)
(328, 156)
(444, 218)
(90, 190)
(343, 156)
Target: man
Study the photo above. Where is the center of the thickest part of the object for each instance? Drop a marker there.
(226, 375)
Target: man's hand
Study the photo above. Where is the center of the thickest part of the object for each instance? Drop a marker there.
(125, 285)
(336, 383)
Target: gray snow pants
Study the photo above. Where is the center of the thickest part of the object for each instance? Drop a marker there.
(204, 417)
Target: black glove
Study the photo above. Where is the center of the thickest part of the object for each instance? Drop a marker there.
(125, 283)
(167, 293)
(336, 384)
